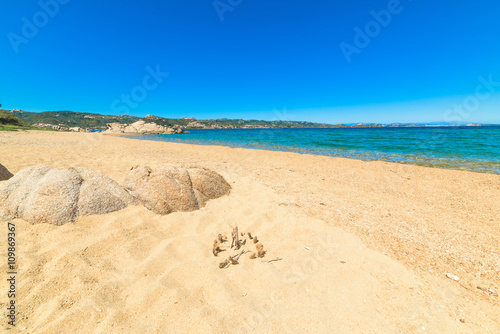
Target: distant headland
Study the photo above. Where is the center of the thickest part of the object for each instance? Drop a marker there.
(80, 121)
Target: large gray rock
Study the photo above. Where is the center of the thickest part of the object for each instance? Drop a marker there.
(41, 194)
(4, 173)
(139, 127)
(169, 189)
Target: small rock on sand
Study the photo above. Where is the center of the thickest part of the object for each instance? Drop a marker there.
(453, 277)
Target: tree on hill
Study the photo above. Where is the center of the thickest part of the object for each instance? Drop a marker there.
(7, 118)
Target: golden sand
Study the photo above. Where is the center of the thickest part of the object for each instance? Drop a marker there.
(365, 247)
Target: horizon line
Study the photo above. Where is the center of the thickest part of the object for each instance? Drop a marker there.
(271, 120)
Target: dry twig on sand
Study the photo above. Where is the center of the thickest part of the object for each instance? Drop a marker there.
(226, 263)
(234, 237)
(231, 260)
(276, 259)
(237, 244)
(234, 259)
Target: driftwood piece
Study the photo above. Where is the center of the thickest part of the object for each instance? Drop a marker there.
(237, 244)
(225, 264)
(231, 260)
(236, 257)
(234, 237)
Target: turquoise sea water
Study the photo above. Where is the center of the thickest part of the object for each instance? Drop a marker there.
(469, 148)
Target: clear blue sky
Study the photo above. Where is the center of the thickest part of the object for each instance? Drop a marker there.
(255, 59)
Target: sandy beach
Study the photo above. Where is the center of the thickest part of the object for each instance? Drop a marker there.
(365, 246)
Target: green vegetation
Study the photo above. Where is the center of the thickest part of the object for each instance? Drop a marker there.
(64, 120)
(9, 122)
(90, 121)
(73, 119)
(7, 118)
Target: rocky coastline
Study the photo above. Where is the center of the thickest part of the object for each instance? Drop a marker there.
(141, 128)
